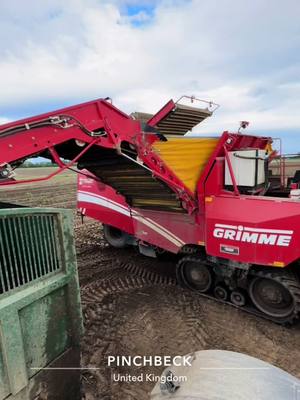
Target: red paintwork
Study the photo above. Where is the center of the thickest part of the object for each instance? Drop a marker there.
(61, 165)
(254, 212)
(210, 205)
(93, 115)
(169, 231)
(93, 195)
(165, 110)
(173, 231)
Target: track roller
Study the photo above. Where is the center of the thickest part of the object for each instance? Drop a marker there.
(192, 272)
(221, 292)
(238, 298)
(273, 295)
(276, 294)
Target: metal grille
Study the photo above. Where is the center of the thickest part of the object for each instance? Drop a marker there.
(28, 249)
(182, 120)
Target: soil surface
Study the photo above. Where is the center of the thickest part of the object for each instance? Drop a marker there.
(133, 306)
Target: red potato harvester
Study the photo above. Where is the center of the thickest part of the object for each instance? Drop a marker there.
(234, 225)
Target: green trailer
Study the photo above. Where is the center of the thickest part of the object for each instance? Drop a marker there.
(40, 313)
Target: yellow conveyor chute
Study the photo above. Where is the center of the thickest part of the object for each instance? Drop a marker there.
(186, 156)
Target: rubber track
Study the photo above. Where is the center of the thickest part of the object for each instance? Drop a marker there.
(250, 309)
(289, 280)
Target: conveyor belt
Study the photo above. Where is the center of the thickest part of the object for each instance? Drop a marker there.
(182, 119)
(135, 183)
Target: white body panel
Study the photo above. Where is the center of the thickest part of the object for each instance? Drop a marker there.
(248, 171)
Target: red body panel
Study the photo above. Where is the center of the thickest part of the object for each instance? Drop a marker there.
(255, 230)
(169, 231)
(273, 236)
(161, 113)
(101, 202)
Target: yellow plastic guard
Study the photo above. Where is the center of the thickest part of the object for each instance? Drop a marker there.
(186, 157)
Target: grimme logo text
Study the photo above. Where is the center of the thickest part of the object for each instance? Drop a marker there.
(271, 237)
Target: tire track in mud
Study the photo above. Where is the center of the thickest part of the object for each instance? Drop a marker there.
(45, 195)
(127, 285)
(114, 283)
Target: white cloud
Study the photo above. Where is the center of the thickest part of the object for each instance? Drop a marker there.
(3, 120)
(243, 55)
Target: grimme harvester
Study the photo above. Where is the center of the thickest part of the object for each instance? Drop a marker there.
(211, 201)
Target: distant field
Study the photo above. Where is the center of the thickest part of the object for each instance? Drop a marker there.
(59, 191)
(30, 173)
(67, 177)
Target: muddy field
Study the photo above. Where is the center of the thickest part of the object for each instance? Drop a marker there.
(132, 306)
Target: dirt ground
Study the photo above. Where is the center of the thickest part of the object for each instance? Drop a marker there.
(132, 306)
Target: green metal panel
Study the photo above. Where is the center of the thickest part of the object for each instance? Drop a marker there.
(29, 249)
(4, 386)
(40, 314)
(52, 326)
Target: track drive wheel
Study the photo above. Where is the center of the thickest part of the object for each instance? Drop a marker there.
(193, 273)
(276, 294)
(115, 237)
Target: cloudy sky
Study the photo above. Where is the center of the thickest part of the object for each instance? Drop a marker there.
(244, 55)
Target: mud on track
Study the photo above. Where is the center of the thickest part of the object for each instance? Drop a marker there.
(132, 306)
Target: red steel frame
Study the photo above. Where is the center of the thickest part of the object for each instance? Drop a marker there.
(216, 218)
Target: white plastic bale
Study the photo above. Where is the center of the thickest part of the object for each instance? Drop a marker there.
(226, 375)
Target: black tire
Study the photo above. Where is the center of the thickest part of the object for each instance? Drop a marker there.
(276, 294)
(115, 237)
(193, 273)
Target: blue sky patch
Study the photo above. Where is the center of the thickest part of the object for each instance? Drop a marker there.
(140, 14)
